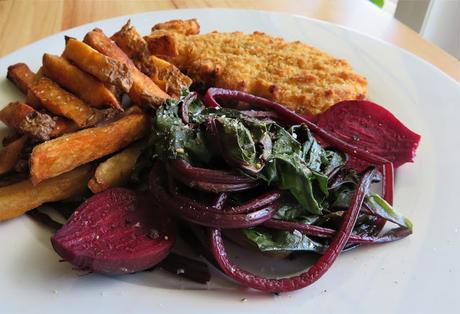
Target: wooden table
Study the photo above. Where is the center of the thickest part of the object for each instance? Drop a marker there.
(24, 21)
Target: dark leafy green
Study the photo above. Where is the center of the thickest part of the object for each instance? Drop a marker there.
(278, 240)
(319, 187)
(379, 206)
(173, 139)
(290, 159)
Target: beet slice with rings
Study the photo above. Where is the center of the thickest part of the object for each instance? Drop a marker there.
(116, 232)
(370, 127)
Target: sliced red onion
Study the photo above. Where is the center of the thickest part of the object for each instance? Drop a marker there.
(314, 272)
(257, 202)
(209, 180)
(184, 168)
(204, 215)
(312, 230)
(294, 118)
(184, 106)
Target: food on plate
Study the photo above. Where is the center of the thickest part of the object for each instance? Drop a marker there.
(15, 113)
(26, 120)
(116, 170)
(104, 68)
(21, 76)
(299, 76)
(18, 198)
(60, 102)
(260, 169)
(116, 232)
(144, 91)
(393, 141)
(69, 151)
(82, 84)
(11, 153)
(184, 27)
(117, 138)
(167, 76)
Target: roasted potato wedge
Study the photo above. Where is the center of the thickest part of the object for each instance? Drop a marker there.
(116, 170)
(103, 67)
(133, 45)
(63, 126)
(21, 76)
(69, 151)
(166, 75)
(14, 114)
(80, 83)
(11, 153)
(185, 27)
(26, 120)
(60, 102)
(144, 91)
(18, 198)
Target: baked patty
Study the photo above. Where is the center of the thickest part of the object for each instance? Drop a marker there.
(297, 75)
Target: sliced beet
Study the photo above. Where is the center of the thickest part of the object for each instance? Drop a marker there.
(370, 127)
(116, 232)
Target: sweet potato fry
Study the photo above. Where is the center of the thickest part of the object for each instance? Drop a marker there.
(167, 76)
(63, 126)
(10, 154)
(21, 76)
(14, 113)
(144, 91)
(185, 27)
(20, 197)
(164, 74)
(78, 82)
(133, 45)
(60, 102)
(104, 68)
(25, 119)
(116, 170)
(162, 43)
(69, 151)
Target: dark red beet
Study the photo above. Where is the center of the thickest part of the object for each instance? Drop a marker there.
(116, 232)
(370, 127)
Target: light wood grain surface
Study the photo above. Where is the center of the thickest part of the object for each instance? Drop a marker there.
(24, 21)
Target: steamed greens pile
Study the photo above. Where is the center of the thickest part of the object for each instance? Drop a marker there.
(319, 186)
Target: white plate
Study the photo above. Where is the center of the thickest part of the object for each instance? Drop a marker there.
(420, 274)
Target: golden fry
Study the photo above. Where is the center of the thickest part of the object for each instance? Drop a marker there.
(63, 126)
(133, 45)
(18, 198)
(164, 74)
(15, 113)
(162, 43)
(78, 82)
(144, 91)
(104, 68)
(69, 151)
(116, 170)
(21, 76)
(167, 76)
(25, 119)
(184, 27)
(10, 154)
(58, 101)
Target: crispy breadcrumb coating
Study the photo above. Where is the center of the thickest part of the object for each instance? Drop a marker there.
(302, 77)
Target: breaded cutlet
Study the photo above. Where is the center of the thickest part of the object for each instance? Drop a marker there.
(297, 75)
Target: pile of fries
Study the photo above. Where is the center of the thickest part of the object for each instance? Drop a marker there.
(84, 119)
